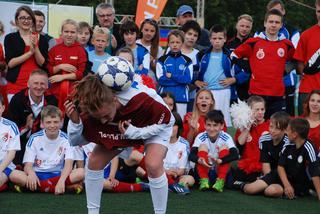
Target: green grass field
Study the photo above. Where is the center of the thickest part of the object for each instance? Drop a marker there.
(197, 202)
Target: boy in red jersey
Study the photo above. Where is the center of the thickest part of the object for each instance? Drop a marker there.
(308, 56)
(268, 54)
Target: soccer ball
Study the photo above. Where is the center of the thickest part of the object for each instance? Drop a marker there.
(116, 73)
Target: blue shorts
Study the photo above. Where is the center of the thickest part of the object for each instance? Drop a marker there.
(119, 175)
(7, 171)
(46, 175)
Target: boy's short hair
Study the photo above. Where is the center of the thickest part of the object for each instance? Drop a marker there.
(255, 99)
(273, 12)
(83, 25)
(273, 3)
(70, 22)
(218, 29)
(1, 100)
(215, 116)
(176, 33)
(51, 111)
(246, 17)
(280, 119)
(100, 30)
(193, 25)
(39, 13)
(129, 26)
(301, 126)
(178, 123)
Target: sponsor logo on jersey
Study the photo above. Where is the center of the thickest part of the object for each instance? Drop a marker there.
(260, 54)
(58, 57)
(111, 136)
(280, 52)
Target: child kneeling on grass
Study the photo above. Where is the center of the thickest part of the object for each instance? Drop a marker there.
(48, 159)
(213, 148)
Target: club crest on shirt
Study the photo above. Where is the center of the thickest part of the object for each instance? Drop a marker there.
(280, 52)
(37, 162)
(60, 150)
(300, 159)
(181, 67)
(260, 54)
(4, 137)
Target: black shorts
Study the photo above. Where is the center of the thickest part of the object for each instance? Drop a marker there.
(271, 178)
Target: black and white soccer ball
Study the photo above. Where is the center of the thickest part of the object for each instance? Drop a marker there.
(116, 73)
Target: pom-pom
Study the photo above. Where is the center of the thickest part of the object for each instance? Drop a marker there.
(242, 116)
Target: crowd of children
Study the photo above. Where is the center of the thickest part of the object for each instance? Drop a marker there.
(277, 155)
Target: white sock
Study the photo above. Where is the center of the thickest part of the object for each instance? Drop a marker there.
(159, 193)
(94, 185)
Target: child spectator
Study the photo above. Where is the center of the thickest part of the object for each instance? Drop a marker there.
(168, 98)
(149, 38)
(311, 113)
(129, 32)
(9, 144)
(192, 32)
(67, 62)
(25, 50)
(247, 140)
(100, 38)
(268, 54)
(270, 146)
(175, 71)
(298, 162)
(127, 54)
(84, 36)
(194, 122)
(215, 72)
(215, 149)
(49, 157)
(176, 161)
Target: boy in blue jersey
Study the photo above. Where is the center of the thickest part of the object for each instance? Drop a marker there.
(48, 160)
(213, 148)
(100, 38)
(215, 71)
(298, 162)
(9, 144)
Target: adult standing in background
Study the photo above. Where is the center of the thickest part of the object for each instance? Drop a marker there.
(242, 71)
(308, 57)
(184, 14)
(105, 13)
(25, 50)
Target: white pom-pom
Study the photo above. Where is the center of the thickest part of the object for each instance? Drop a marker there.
(242, 116)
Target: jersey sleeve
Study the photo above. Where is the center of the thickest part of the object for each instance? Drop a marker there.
(243, 51)
(14, 141)
(197, 141)
(264, 156)
(283, 157)
(301, 52)
(78, 153)
(75, 134)
(314, 165)
(69, 154)
(30, 153)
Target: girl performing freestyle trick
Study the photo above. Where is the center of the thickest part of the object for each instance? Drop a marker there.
(118, 119)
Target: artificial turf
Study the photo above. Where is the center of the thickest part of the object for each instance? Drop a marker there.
(228, 202)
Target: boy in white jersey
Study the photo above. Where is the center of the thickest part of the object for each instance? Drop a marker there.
(176, 161)
(9, 144)
(213, 148)
(48, 159)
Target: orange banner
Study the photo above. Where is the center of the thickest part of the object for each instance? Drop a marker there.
(149, 9)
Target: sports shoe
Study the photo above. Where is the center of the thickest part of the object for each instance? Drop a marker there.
(218, 185)
(144, 186)
(179, 189)
(204, 184)
(78, 189)
(17, 188)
